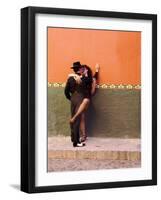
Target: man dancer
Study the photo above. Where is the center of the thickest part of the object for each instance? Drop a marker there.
(73, 93)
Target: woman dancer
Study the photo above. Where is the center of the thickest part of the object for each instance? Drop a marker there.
(89, 86)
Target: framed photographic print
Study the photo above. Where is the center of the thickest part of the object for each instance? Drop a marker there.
(88, 99)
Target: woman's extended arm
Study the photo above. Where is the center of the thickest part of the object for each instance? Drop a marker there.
(95, 79)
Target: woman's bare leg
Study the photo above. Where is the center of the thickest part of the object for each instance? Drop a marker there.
(81, 109)
(83, 128)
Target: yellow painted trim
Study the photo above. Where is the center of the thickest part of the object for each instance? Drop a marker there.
(102, 86)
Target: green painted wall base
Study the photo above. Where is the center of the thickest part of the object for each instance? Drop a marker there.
(112, 113)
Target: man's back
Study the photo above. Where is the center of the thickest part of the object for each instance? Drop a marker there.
(70, 87)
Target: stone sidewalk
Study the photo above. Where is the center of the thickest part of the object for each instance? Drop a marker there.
(96, 149)
(59, 165)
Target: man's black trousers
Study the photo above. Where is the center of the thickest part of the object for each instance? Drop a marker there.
(76, 100)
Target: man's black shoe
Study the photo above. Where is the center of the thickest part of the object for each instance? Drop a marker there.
(79, 145)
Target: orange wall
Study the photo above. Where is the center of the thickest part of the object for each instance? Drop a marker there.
(117, 52)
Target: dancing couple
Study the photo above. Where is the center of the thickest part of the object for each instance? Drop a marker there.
(80, 87)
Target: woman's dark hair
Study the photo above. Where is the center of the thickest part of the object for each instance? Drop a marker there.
(89, 73)
(90, 79)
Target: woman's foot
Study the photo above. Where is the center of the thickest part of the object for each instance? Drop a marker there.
(83, 139)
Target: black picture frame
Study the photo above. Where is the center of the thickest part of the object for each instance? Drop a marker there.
(28, 98)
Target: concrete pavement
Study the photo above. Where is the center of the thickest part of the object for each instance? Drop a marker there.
(96, 148)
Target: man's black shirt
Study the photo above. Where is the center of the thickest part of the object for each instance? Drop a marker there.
(83, 88)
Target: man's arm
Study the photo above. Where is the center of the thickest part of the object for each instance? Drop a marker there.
(67, 90)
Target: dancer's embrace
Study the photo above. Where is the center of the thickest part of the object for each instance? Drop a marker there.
(79, 88)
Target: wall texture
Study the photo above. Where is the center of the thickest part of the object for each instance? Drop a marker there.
(115, 108)
(112, 113)
(117, 52)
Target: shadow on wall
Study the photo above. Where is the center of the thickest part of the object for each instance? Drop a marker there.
(112, 113)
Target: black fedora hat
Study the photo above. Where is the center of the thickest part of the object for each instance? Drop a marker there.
(76, 65)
